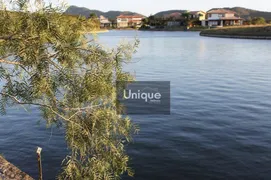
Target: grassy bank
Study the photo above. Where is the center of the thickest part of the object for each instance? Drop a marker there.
(240, 32)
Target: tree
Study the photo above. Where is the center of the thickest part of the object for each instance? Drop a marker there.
(194, 22)
(201, 15)
(93, 15)
(248, 21)
(186, 15)
(46, 62)
(93, 19)
(152, 20)
(145, 21)
(258, 21)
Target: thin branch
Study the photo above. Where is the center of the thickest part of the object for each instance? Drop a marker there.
(9, 62)
(41, 105)
(24, 103)
(55, 65)
(14, 63)
(79, 110)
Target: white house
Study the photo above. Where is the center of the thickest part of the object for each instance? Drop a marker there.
(104, 22)
(221, 17)
(124, 21)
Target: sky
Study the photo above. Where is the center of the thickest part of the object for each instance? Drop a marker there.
(147, 7)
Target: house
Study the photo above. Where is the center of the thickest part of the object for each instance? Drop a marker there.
(124, 21)
(221, 17)
(200, 15)
(174, 19)
(173, 23)
(104, 22)
(174, 16)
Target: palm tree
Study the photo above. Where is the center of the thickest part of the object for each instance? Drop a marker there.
(186, 16)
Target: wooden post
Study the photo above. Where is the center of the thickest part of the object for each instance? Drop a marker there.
(39, 162)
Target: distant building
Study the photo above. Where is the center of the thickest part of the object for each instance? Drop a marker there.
(221, 17)
(173, 23)
(124, 21)
(174, 19)
(174, 16)
(104, 22)
(200, 15)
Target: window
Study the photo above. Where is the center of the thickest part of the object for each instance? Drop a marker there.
(209, 15)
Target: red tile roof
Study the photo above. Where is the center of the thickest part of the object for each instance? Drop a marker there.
(176, 14)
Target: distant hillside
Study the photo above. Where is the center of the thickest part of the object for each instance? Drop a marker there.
(165, 13)
(74, 10)
(242, 12)
(249, 13)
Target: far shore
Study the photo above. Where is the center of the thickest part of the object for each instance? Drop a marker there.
(240, 32)
(181, 28)
(96, 31)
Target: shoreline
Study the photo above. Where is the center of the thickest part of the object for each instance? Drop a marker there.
(164, 30)
(96, 31)
(9, 171)
(237, 36)
(180, 29)
(131, 29)
(240, 32)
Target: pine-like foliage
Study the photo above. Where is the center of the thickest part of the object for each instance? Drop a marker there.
(46, 61)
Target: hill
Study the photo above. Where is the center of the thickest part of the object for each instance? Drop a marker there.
(165, 13)
(74, 10)
(242, 12)
(249, 13)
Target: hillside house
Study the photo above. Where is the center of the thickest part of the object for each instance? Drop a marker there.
(221, 17)
(174, 19)
(124, 21)
(200, 15)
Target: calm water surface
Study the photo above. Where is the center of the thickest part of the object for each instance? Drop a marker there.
(220, 122)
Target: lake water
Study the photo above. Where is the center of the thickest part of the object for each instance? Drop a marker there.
(220, 122)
